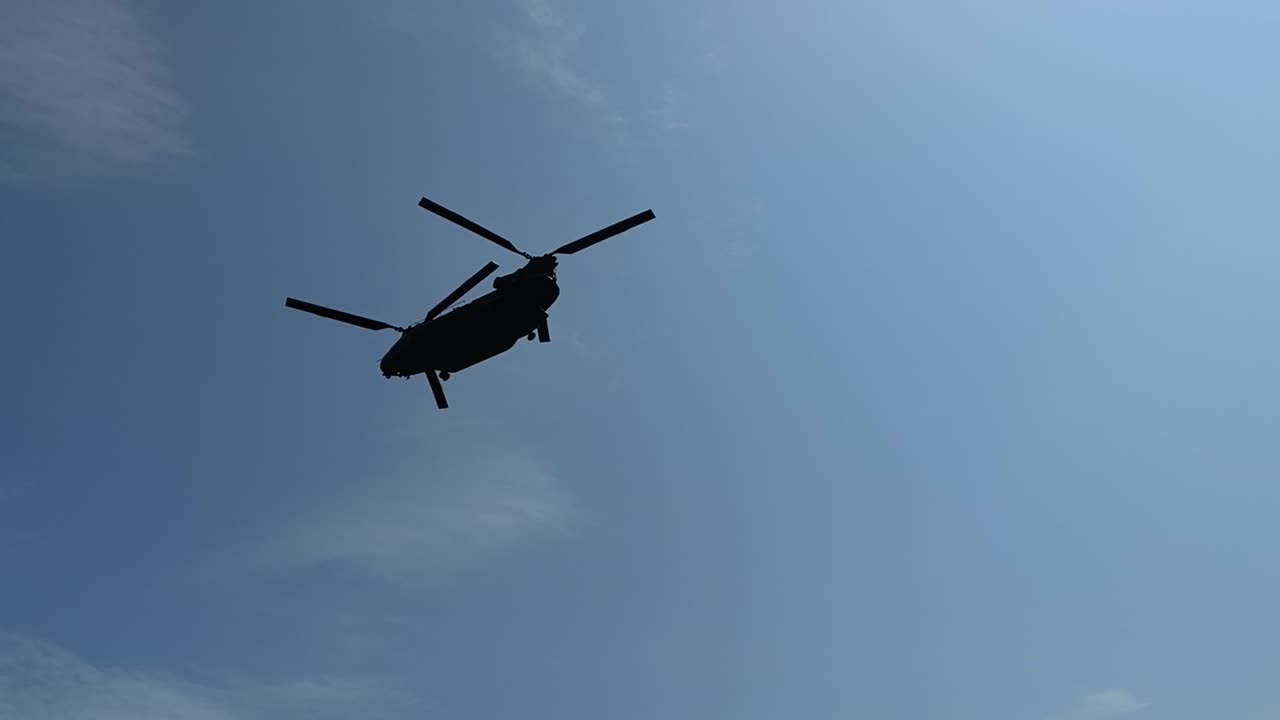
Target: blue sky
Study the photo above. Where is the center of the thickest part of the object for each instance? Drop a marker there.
(943, 385)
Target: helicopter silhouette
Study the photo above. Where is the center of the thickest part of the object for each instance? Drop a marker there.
(447, 340)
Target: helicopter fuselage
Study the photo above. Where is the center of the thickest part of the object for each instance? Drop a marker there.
(450, 340)
(469, 334)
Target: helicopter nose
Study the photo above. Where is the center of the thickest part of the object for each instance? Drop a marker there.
(401, 358)
(388, 364)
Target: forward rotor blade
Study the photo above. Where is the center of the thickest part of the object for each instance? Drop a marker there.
(476, 228)
(338, 315)
(437, 390)
(463, 289)
(604, 234)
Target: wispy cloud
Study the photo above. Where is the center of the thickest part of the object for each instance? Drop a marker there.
(1104, 704)
(41, 681)
(667, 113)
(331, 697)
(414, 524)
(575, 339)
(737, 232)
(83, 85)
(545, 51)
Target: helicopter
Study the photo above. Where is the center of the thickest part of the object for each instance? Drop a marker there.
(447, 340)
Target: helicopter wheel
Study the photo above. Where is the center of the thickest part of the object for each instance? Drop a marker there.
(444, 376)
(532, 335)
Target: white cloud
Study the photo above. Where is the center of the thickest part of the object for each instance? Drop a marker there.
(415, 524)
(544, 50)
(334, 698)
(575, 339)
(1110, 702)
(83, 84)
(1104, 704)
(667, 114)
(545, 53)
(40, 681)
(737, 229)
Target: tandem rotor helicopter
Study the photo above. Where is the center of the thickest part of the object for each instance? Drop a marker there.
(447, 341)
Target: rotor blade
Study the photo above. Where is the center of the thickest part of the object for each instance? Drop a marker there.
(338, 315)
(544, 333)
(437, 390)
(483, 232)
(463, 289)
(604, 234)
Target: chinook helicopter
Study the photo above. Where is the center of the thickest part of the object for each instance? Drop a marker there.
(447, 341)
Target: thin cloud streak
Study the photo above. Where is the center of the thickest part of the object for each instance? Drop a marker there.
(83, 85)
(414, 526)
(333, 697)
(41, 681)
(668, 114)
(545, 53)
(1104, 704)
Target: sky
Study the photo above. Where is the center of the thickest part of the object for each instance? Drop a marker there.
(942, 386)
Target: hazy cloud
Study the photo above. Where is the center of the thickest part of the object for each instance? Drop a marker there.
(345, 698)
(667, 114)
(83, 84)
(1104, 704)
(737, 230)
(545, 51)
(415, 523)
(40, 681)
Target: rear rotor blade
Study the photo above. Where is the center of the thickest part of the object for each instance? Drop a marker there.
(604, 234)
(338, 315)
(463, 289)
(476, 228)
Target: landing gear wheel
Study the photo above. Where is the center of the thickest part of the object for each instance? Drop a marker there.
(444, 376)
(532, 335)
